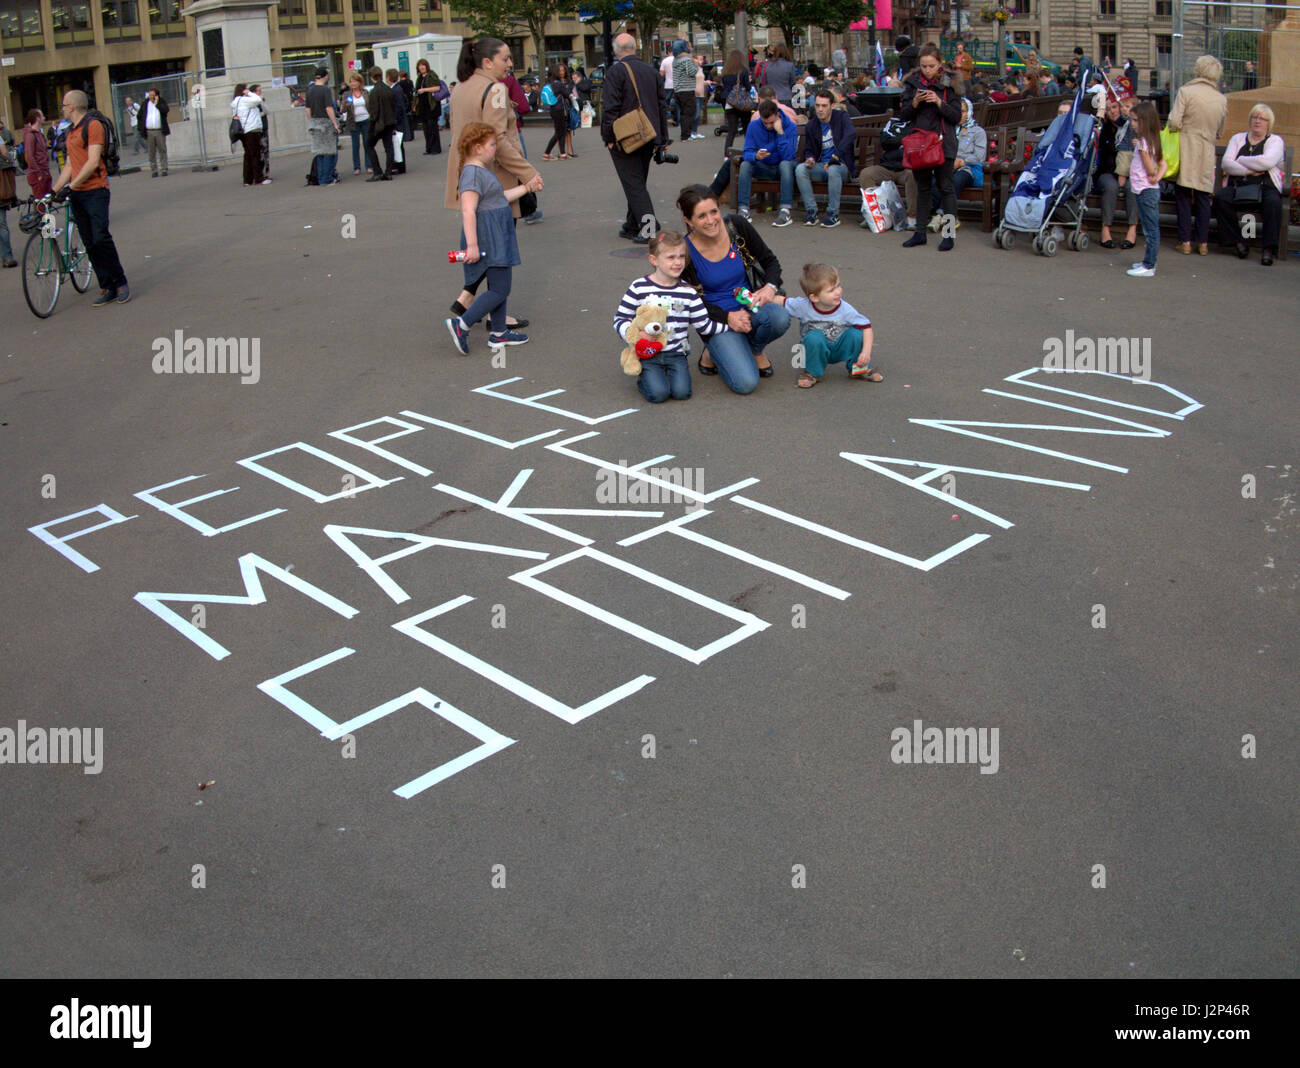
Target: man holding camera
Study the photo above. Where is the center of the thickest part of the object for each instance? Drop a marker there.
(630, 84)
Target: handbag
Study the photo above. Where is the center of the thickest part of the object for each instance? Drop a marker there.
(236, 130)
(1247, 192)
(575, 118)
(634, 130)
(527, 205)
(755, 278)
(1169, 150)
(739, 98)
(922, 149)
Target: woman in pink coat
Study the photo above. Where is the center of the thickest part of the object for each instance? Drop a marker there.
(36, 151)
(1252, 182)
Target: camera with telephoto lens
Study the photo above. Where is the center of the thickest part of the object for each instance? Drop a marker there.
(665, 157)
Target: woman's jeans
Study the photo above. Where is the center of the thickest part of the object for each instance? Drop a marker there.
(737, 122)
(1110, 191)
(733, 353)
(359, 132)
(1193, 203)
(1149, 212)
(664, 375)
(560, 136)
(925, 179)
(833, 174)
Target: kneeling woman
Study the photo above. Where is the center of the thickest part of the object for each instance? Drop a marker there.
(720, 249)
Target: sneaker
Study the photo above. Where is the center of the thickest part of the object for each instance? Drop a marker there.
(106, 296)
(124, 290)
(744, 214)
(459, 335)
(1141, 270)
(535, 217)
(810, 218)
(831, 221)
(510, 337)
(783, 218)
(697, 137)
(266, 181)
(911, 224)
(934, 224)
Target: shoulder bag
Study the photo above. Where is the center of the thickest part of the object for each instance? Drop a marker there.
(634, 130)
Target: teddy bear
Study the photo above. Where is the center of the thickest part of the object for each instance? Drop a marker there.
(646, 335)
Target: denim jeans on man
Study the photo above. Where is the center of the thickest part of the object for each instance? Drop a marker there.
(766, 172)
(733, 353)
(664, 375)
(6, 250)
(1149, 213)
(833, 174)
(327, 168)
(90, 213)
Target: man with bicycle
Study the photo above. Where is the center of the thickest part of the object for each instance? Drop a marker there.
(86, 178)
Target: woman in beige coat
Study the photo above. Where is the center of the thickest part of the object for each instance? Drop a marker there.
(1199, 114)
(482, 95)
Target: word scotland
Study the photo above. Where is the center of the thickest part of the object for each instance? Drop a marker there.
(362, 459)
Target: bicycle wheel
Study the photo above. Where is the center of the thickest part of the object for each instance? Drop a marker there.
(78, 260)
(41, 274)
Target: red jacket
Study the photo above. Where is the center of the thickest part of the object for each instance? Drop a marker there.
(518, 98)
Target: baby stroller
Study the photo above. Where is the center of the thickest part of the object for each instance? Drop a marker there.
(1054, 186)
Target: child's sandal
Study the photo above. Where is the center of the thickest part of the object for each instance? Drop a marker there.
(868, 372)
(805, 380)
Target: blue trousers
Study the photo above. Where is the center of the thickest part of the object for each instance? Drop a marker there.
(818, 352)
(665, 375)
(6, 250)
(733, 353)
(492, 301)
(833, 174)
(783, 172)
(1149, 214)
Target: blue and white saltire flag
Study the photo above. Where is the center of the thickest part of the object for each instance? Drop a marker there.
(880, 64)
(1053, 162)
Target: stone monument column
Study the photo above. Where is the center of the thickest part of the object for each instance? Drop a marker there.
(1279, 62)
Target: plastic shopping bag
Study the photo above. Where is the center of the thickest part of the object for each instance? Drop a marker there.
(1169, 149)
(873, 212)
(588, 116)
(891, 203)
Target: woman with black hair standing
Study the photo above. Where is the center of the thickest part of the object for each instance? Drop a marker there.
(555, 98)
(428, 108)
(933, 106)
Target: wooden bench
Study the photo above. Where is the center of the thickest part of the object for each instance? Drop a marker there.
(866, 150)
(1028, 140)
(1033, 113)
(1288, 164)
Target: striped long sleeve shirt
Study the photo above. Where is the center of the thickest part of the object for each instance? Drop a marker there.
(685, 310)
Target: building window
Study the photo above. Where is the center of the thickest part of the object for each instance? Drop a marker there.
(399, 11)
(165, 19)
(292, 12)
(1164, 9)
(1222, 14)
(329, 12)
(121, 20)
(71, 24)
(365, 11)
(20, 25)
(1164, 48)
(1106, 48)
(1106, 8)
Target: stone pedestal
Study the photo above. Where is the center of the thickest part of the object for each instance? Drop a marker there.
(1279, 62)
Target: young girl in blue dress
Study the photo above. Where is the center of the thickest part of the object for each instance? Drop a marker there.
(488, 237)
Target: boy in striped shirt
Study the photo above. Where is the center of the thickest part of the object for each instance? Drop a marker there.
(667, 373)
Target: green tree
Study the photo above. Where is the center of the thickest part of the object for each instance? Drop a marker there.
(791, 16)
(501, 18)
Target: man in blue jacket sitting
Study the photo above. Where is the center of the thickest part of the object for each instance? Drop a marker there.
(827, 157)
(770, 145)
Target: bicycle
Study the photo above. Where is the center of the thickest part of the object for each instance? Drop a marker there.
(45, 262)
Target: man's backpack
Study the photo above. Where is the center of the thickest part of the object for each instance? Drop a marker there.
(111, 157)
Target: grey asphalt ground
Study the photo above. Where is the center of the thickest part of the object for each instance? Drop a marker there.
(771, 833)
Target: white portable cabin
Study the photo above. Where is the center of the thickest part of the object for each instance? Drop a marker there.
(442, 50)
